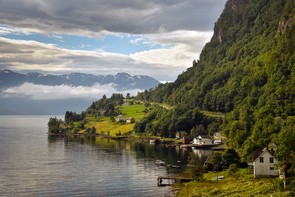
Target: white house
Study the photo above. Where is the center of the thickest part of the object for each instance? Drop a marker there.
(120, 118)
(264, 164)
(202, 140)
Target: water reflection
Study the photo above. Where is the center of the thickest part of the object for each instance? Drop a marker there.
(169, 154)
(203, 154)
(34, 164)
(123, 166)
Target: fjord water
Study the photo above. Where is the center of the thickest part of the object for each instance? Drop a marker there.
(32, 164)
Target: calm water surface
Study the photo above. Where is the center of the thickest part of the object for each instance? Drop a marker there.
(31, 164)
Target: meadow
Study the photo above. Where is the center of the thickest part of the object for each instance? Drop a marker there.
(105, 125)
(240, 184)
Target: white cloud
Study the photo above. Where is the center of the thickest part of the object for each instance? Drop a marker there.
(178, 51)
(180, 48)
(4, 30)
(43, 92)
(139, 41)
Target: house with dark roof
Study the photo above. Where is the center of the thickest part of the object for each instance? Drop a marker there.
(265, 163)
(203, 140)
(120, 118)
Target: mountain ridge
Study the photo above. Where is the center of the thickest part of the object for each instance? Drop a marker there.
(122, 81)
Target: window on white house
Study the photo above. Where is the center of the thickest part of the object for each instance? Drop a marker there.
(261, 159)
(271, 160)
(272, 168)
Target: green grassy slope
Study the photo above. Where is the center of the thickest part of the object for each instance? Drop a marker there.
(242, 186)
(104, 125)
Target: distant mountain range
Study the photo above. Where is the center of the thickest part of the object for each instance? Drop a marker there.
(121, 81)
(22, 103)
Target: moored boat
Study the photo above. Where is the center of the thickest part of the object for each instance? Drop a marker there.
(160, 162)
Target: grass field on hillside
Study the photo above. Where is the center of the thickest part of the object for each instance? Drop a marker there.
(239, 186)
(105, 125)
(135, 111)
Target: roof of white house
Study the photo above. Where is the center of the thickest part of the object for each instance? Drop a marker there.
(264, 150)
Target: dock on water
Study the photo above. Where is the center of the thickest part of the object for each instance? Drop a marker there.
(198, 146)
(167, 180)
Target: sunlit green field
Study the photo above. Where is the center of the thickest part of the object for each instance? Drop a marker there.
(237, 186)
(135, 111)
(104, 125)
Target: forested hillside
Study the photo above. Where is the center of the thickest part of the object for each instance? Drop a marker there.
(247, 71)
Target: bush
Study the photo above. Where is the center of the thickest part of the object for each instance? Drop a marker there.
(230, 156)
(233, 168)
(195, 169)
(278, 185)
(234, 171)
(208, 167)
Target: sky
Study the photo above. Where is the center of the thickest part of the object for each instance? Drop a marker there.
(158, 38)
(141, 37)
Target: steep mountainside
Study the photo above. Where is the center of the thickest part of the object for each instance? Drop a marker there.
(247, 71)
(122, 81)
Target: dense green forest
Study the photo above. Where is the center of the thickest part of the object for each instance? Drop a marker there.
(247, 72)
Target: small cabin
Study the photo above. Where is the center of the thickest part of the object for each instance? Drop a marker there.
(205, 140)
(186, 140)
(120, 118)
(265, 164)
(62, 127)
(130, 120)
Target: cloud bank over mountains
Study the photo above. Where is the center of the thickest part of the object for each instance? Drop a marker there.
(46, 92)
(19, 93)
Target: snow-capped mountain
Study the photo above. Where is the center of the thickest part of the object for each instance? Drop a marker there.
(121, 81)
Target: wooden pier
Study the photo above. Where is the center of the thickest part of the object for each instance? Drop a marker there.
(198, 146)
(167, 181)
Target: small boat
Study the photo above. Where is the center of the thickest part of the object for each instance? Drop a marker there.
(173, 166)
(160, 162)
(218, 178)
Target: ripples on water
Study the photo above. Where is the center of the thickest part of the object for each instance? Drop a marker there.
(33, 165)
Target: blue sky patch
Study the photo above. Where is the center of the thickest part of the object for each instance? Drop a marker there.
(123, 44)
